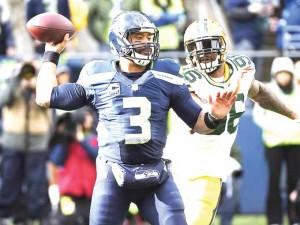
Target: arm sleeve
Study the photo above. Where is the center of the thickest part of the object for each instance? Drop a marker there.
(185, 107)
(68, 96)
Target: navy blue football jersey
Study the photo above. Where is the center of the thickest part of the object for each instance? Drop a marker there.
(132, 114)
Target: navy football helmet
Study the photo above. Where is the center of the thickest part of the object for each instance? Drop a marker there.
(122, 27)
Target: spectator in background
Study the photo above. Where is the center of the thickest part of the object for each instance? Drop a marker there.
(77, 12)
(99, 20)
(25, 137)
(295, 199)
(289, 17)
(247, 21)
(170, 19)
(7, 40)
(169, 16)
(33, 8)
(72, 166)
(63, 74)
(281, 140)
(100, 14)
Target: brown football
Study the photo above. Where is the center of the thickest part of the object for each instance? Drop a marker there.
(50, 27)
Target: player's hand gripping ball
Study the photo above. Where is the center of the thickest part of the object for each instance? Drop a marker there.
(50, 27)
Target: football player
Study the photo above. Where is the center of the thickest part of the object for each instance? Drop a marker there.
(200, 170)
(132, 96)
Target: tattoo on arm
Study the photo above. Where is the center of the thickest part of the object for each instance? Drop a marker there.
(267, 99)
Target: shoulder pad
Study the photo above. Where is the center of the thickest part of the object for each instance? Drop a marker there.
(89, 73)
(241, 63)
(96, 66)
(167, 66)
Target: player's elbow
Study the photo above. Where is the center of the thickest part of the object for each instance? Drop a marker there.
(43, 96)
(42, 102)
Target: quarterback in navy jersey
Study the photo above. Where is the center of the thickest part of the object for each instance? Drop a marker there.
(132, 126)
(132, 97)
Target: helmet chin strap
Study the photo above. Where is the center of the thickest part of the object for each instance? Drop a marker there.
(139, 59)
(140, 62)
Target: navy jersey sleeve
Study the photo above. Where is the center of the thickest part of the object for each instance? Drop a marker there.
(68, 96)
(185, 107)
(181, 101)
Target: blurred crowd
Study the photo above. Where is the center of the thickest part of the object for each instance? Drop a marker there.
(45, 153)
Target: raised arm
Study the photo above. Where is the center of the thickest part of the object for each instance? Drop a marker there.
(267, 99)
(46, 79)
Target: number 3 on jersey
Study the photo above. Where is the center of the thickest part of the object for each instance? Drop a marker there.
(141, 120)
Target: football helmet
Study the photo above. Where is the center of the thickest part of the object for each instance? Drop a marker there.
(127, 23)
(205, 45)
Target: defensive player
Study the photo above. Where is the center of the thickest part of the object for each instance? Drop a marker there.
(132, 96)
(199, 160)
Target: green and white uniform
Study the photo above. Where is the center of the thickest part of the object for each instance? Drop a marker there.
(203, 159)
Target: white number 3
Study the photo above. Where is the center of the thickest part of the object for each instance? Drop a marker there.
(141, 120)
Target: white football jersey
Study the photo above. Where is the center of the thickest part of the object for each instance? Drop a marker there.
(195, 155)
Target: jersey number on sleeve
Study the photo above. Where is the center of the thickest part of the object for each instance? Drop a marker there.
(141, 120)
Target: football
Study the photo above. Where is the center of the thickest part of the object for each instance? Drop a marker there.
(50, 27)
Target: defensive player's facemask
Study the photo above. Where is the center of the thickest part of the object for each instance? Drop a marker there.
(205, 45)
(121, 29)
